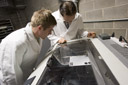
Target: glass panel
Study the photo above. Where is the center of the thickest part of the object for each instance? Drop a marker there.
(65, 52)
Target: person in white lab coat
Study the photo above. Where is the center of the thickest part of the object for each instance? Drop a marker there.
(20, 49)
(69, 24)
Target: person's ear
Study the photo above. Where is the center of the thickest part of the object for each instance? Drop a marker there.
(39, 27)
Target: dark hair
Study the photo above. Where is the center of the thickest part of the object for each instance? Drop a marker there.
(68, 8)
(44, 18)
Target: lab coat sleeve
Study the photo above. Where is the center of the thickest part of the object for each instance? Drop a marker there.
(10, 65)
(53, 38)
(81, 30)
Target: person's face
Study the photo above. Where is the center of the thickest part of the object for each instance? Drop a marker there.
(44, 33)
(69, 19)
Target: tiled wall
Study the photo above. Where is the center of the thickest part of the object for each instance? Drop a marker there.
(105, 10)
(91, 10)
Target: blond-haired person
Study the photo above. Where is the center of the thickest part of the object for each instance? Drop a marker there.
(20, 49)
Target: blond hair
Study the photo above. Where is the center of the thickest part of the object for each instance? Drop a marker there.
(44, 18)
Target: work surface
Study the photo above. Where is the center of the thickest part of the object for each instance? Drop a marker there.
(115, 57)
(112, 55)
(120, 52)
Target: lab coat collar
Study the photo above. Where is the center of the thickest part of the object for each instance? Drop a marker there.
(61, 17)
(31, 36)
(28, 30)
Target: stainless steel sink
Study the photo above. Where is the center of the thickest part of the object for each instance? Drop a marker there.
(75, 63)
(62, 70)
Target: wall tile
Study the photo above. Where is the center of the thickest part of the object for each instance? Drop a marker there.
(89, 25)
(94, 15)
(86, 6)
(116, 12)
(121, 2)
(104, 25)
(121, 24)
(103, 3)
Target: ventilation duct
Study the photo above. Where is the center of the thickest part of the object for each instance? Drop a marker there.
(19, 4)
(6, 4)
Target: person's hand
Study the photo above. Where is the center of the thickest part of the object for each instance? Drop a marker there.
(62, 40)
(91, 35)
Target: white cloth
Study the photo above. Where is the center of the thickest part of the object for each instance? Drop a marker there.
(18, 55)
(75, 30)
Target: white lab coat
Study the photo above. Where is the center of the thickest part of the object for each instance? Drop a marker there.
(75, 30)
(18, 55)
